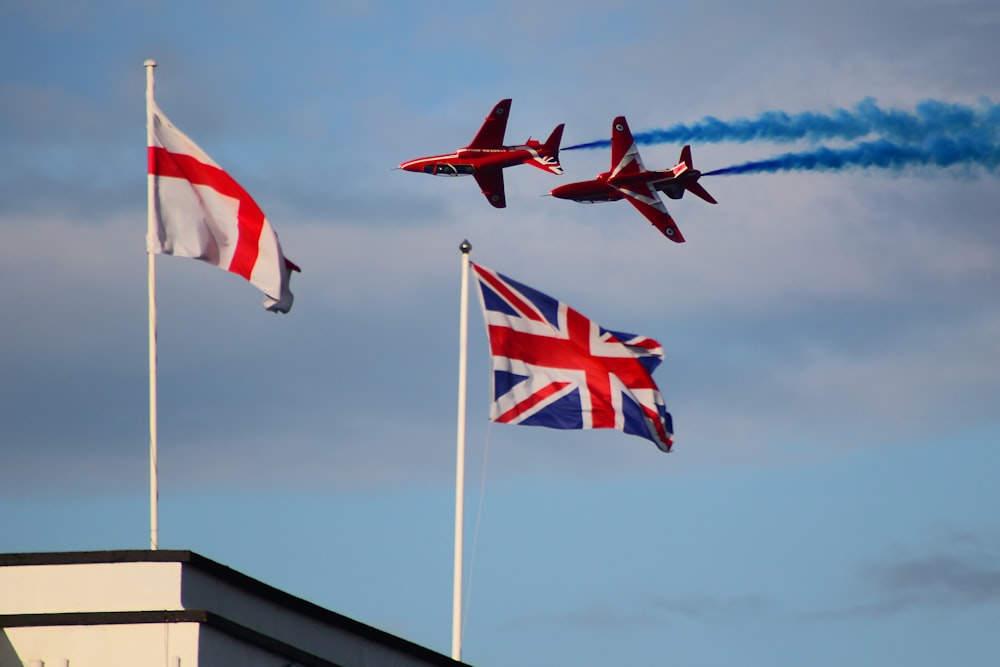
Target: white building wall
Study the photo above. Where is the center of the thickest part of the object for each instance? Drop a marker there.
(142, 645)
(90, 587)
(174, 609)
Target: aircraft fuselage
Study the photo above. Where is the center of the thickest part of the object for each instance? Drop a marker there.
(467, 161)
(607, 187)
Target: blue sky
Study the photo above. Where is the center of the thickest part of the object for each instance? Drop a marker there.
(833, 365)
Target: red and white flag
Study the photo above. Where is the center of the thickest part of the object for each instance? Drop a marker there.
(201, 212)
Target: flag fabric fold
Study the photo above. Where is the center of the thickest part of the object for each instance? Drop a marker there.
(556, 368)
(201, 212)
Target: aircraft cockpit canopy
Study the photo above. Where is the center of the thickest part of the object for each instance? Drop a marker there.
(446, 169)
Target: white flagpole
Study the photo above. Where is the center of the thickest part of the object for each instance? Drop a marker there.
(154, 491)
(463, 338)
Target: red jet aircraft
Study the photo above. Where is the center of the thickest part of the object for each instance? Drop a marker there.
(486, 157)
(629, 180)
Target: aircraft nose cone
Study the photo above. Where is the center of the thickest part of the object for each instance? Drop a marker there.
(561, 192)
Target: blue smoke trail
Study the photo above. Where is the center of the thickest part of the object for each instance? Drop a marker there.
(935, 134)
(929, 119)
(967, 151)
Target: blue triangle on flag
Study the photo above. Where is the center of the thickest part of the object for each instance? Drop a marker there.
(504, 381)
(565, 413)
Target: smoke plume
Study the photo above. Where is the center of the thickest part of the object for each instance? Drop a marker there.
(934, 134)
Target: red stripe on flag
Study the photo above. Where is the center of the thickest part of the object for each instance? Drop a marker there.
(535, 399)
(653, 418)
(573, 352)
(249, 217)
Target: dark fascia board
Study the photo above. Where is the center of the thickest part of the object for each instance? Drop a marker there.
(239, 580)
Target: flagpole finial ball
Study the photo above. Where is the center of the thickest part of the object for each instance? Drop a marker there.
(149, 63)
(465, 247)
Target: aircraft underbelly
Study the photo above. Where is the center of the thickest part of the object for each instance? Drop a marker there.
(598, 198)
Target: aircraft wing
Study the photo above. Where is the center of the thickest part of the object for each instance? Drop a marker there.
(647, 202)
(490, 181)
(494, 128)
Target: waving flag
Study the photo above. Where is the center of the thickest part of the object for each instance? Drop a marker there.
(201, 212)
(554, 367)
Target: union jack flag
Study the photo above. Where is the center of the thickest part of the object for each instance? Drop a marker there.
(554, 367)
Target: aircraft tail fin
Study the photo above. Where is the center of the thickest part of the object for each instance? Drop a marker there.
(686, 157)
(693, 186)
(551, 144)
(548, 153)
